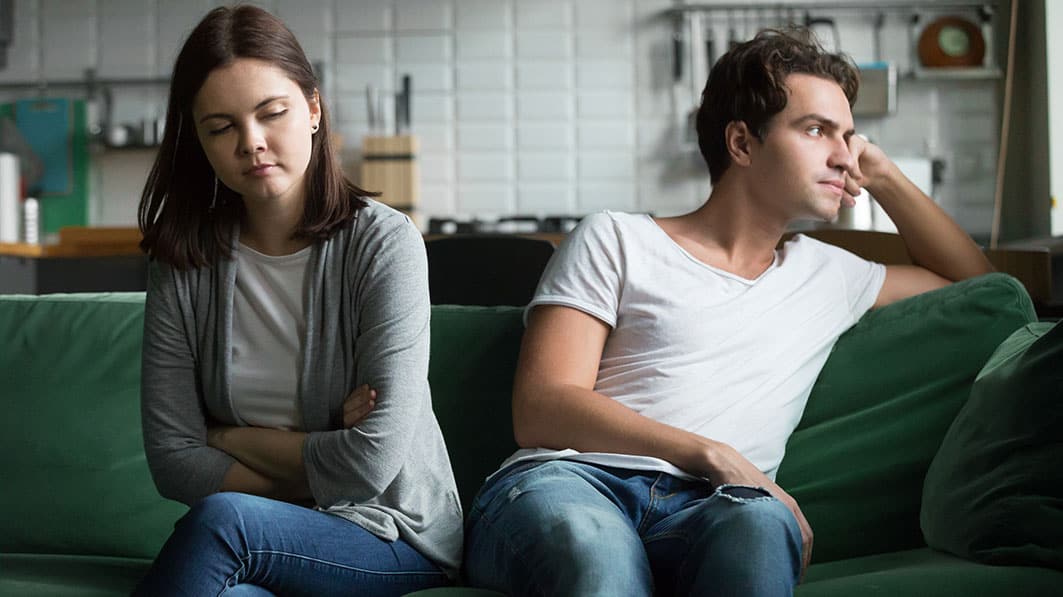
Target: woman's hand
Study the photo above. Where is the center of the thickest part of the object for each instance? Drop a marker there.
(358, 405)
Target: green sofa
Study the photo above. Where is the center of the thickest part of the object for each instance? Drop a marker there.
(80, 515)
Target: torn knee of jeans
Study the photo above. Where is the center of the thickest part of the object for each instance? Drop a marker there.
(743, 493)
(514, 493)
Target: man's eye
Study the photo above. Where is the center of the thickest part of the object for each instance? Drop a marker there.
(815, 131)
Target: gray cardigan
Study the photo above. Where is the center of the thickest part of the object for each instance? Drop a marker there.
(367, 322)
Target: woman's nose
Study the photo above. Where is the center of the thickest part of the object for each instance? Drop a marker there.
(252, 141)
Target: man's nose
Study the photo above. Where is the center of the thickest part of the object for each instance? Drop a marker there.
(840, 156)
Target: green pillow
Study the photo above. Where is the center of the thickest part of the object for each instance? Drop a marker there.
(994, 492)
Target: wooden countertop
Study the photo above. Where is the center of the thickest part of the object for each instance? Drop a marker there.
(81, 241)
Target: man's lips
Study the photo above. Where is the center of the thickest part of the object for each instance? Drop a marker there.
(837, 186)
(259, 169)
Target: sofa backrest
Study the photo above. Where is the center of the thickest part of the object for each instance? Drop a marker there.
(881, 406)
(474, 353)
(74, 476)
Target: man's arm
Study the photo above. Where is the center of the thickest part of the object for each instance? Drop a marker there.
(555, 406)
(941, 251)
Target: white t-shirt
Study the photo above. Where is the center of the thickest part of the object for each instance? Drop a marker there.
(269, 325)
(699, 348)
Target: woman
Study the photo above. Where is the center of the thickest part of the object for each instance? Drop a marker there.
(284, 394)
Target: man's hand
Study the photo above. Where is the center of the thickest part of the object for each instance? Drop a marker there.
(358, 405)
(870, 166)
(729, 467)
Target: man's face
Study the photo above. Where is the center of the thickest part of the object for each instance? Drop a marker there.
(799, 167)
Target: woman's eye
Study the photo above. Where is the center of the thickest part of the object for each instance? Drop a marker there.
(220, 130)
(274, 115)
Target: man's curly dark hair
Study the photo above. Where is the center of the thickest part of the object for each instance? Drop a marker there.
(748, 84)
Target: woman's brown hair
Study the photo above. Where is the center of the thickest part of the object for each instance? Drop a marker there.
(186, 214)
(748, 84)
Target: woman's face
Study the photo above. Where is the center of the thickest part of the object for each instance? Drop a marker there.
(256, 127)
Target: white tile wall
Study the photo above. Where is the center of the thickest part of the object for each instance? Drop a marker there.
(529, 106)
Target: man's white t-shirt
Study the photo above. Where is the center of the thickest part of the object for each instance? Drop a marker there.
(699, 348)
(269, 324)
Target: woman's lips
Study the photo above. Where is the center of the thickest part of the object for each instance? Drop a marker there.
(259, 170)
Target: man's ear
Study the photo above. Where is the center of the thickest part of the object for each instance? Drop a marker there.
(739, 140)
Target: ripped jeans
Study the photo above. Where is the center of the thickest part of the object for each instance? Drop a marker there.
(569, 528)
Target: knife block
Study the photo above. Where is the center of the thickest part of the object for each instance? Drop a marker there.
(389, 167)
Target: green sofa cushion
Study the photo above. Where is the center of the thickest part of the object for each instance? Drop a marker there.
(76, 480)
(29, 575)
(474, 353)
(994, 492)
(925, 573)
(881, 405)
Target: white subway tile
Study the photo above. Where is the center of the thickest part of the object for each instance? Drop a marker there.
(363, 15)
(483, 44)
(309, 20)
(127, 48)
(606, 166)
(544, 76)
(482, 166)
(593, 105)
(604, 45)
(493, 15)
(69, 47)
(485, 137)
(544, 44)
(423, 48)
(544, 14)
(601, 75)
(544, 136)
(431, 108)
(363, 49)
(485, 107)
(550, 166)
(435, 137)
(423, 15)
(546, 198)
(605, 135)
(597, 196)
(544, 106)
(436, 167)
(355, 77)
(67, 9)
(425, 77)
(614, 15)
(484, 76)
(437, 200)
(480, 198)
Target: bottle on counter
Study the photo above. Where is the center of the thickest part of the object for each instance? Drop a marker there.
(31, 221)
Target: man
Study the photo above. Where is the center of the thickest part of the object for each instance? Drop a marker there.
(667, 360)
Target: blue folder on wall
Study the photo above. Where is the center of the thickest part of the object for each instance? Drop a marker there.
(47, 126)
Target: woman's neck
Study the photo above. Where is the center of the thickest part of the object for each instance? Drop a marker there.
(269, 227)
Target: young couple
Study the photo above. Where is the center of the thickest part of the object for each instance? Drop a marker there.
(285, 393)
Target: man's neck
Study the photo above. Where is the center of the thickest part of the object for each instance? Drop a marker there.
(730, 231)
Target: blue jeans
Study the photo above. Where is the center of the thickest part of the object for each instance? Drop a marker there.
(239, 544)
(568, 528)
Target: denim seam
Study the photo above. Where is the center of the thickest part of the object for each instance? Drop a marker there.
(515, 552)
(650, 506)
(343, 566)
(236, 573)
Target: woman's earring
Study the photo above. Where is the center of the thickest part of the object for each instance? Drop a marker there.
(214, 198)
(313, 129)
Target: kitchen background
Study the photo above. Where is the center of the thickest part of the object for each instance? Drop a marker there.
(552, 107)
